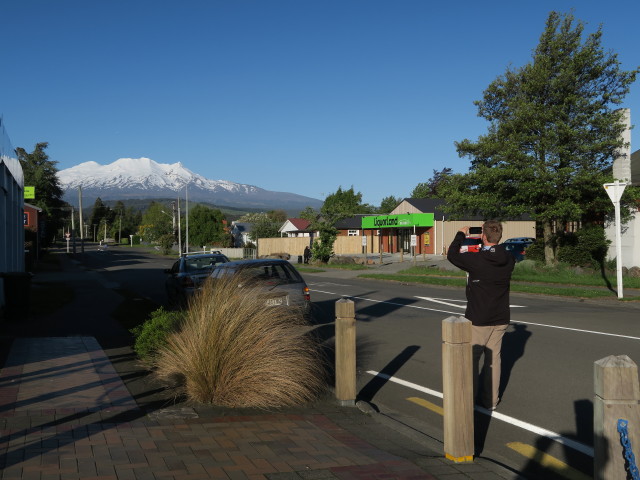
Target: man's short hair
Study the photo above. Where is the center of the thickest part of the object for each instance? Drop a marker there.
(492, 230)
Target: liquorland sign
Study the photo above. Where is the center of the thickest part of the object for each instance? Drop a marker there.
(406, 220)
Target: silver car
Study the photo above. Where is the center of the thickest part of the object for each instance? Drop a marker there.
(187, 274)
(283, 285)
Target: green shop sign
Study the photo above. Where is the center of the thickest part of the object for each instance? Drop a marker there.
(405, 220)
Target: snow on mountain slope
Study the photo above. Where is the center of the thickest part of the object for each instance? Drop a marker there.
(144, 178)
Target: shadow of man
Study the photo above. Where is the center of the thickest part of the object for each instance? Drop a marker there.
(513, 344)
(577, 462)
(369, 391)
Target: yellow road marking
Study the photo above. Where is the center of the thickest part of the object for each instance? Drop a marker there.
(431, 406)
(548, 461)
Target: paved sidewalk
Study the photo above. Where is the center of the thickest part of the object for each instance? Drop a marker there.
(66, 412)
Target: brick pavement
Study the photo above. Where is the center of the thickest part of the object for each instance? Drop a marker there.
(65, 413)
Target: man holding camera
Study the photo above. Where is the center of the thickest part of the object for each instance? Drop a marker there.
(488, 277)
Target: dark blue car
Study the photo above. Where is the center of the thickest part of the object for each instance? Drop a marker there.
(517, 249)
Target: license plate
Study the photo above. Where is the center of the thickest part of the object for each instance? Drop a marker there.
(272, 302)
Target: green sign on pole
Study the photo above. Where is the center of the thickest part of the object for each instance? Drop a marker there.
(29, 193)
(405, 220)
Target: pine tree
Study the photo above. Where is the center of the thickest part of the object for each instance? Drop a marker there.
(554, 131)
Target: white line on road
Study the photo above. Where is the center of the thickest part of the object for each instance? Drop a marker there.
(595, 332)
(556, 437)
(388, 303)
(576, 330)
(464, 302)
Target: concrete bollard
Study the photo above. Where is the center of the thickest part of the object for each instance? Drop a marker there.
(345, 352)
(616, 397)
(457, 389)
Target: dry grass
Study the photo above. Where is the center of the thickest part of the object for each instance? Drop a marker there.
(235, 351)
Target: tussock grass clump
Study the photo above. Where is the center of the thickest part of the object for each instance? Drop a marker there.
(233, 350)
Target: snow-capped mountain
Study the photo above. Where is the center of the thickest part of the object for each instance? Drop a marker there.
(129, 178)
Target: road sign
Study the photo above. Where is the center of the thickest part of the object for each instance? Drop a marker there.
(615, 190)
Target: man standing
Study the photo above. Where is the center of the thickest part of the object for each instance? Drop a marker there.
(488, 276)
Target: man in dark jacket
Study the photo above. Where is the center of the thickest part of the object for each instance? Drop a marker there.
(488, 276)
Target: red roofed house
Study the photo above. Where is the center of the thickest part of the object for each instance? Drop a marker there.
(296, 227)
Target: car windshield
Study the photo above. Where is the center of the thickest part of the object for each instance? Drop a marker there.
(203, 263)
(280, 273)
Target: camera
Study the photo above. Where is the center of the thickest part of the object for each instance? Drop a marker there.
(475, 230)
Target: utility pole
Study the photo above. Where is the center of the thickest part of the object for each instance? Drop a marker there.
(80, 212)
(186, 190)
(179, 229)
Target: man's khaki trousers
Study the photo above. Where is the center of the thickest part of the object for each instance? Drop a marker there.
(487, 341)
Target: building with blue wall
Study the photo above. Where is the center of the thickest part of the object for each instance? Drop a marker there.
(11, 211)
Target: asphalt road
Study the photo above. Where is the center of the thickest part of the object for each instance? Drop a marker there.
(548, 362)
(548, 356)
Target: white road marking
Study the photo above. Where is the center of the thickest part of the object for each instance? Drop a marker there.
(556, 437)
(577, 330)
(388, 303)
(441, 300)
(595, 332)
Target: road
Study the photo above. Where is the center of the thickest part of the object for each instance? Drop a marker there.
(548, 357)
(548, 362)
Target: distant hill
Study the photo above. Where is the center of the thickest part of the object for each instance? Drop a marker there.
(143, 179)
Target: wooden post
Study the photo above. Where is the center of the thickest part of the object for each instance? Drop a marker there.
(457, 388)
(345, 352)
(616, 397)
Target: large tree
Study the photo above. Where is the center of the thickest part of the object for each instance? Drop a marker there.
(388, 204)
(101, 216)
(125, 221)
(206, 227)
(264, 225)
(156, 222)
(429, 189)
(554, 131)
(41, 172)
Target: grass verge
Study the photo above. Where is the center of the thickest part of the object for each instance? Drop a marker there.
(527, 273)
(539, 289)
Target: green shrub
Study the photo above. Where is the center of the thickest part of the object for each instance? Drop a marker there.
(152, 334)
(322, 249)
(535, 251)
(587, 247)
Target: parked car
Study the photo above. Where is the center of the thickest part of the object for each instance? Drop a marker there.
(528, 240)
(517, 249)
(187, 273)
(471, 244)
(283, 285)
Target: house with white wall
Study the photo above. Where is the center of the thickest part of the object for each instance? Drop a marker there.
(626, 168)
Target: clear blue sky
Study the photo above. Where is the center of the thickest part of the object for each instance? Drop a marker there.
(299, 96)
